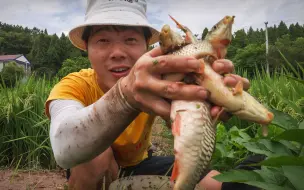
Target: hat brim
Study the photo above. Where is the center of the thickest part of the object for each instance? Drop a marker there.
(125, 19)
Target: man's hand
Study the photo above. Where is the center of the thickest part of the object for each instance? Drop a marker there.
(145, 90)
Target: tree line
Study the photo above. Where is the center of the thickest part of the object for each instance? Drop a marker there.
(47, 53)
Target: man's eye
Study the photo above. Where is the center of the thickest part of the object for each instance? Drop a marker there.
(131, 40)
(103, 40)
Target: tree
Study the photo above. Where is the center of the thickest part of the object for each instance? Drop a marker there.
(74, 65)
(38, 54)
(205, 32)
(53, 58)
(240, 39)
(282, 29)
(251, 57)
(296, 31)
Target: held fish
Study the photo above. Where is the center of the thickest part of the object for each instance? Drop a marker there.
(193, 128)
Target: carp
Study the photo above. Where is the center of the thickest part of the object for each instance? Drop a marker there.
(193, 128)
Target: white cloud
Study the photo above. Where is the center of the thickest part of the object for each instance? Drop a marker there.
(59, 16)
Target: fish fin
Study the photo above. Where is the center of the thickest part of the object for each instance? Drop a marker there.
(188, 39)
(217, 116)
(238, 88)
(265, 130)
(178, 25)
(176, 125)
(175, 171)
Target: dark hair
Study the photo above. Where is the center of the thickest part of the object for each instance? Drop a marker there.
(88, 31)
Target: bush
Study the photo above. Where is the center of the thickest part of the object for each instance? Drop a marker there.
(73, 65)
(11, 73)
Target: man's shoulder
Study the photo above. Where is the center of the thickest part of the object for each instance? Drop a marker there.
(83, 73)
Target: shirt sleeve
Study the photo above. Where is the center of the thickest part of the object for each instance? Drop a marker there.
(70, 87)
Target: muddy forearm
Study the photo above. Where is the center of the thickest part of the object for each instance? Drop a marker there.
(85, 133)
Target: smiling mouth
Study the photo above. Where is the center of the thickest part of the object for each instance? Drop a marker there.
(119, 70)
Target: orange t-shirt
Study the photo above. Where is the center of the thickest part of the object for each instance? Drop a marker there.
(131, 146)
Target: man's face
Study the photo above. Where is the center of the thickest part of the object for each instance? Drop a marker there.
(112, 53)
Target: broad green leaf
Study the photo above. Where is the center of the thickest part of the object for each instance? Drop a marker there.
(221, 133)
(295, 175)
(291, 145)
(283, 160)
(272, 175)
(275, 147)
(296, 135)
(301, 126)
(267, 186)
(244, 135)
(240, 141)
(284, 120)
(257, 148)
(221, 149)
(238, 176)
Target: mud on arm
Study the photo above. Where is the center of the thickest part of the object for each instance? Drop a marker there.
(79, 133)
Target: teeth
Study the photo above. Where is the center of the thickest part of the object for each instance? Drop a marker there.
(120, 69)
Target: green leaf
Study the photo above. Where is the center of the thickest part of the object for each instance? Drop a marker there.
(272, 175)
(295, 175)
(267, 186)
(291, 145)
(221, 149)
(275, 147)
(292, 135)
(238, 176)
(247, 177)
(301, 126)
(244, 135)
(283, 160)
(257, 148)
(284, 120)
(295, 79)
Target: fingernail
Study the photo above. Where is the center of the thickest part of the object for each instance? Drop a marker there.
(194, 63)
(204, 93)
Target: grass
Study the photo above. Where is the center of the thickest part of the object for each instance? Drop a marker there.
(24, 132)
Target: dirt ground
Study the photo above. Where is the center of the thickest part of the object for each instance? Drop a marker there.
(49, 180)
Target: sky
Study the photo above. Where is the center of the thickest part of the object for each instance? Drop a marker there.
(59, 16)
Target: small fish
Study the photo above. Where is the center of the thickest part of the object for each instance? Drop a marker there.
(193, 128)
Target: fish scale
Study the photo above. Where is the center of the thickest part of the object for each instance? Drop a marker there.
(195, 140)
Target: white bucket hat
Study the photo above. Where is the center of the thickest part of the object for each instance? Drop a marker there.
(113, 12)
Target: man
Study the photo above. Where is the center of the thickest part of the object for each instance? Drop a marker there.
(101, 118)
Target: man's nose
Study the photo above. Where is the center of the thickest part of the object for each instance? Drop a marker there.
(118, 51)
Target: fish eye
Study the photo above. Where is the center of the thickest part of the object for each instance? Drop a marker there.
(214, 27)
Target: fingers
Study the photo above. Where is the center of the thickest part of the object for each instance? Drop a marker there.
(172, 64)
(175, 90)
(154, 104)
(231, 80)
(155, 52)
(223, 66)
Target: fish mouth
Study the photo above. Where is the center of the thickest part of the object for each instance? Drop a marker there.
(229, 19)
